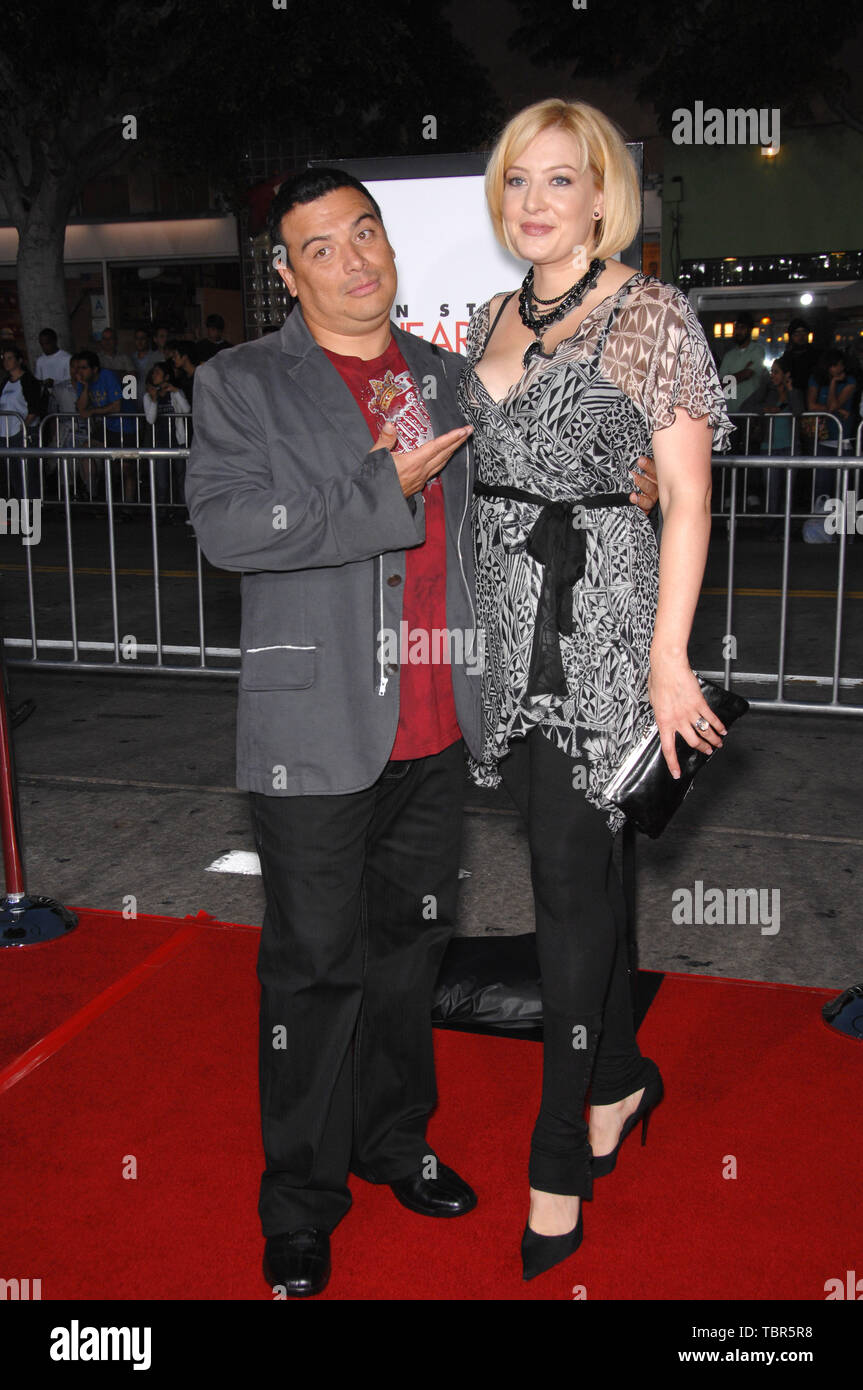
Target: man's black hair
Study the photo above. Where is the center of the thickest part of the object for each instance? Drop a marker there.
(185, 347)
(215, 321)
(307, 187)
(91, 359)
(745, 318)
(48, 333)
(795, 324)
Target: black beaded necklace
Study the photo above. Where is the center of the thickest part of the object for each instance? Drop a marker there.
(539, 323)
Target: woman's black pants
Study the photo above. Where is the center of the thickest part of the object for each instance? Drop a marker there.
(581, 937)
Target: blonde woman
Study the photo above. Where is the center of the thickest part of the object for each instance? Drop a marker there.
(568, 381)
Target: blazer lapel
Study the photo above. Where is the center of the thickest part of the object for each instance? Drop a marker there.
(314, 373)
(444, 413)
(423, 363)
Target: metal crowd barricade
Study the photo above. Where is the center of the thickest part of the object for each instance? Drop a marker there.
(61, 431)
(842, 497)
(810, 439)
(203, 659)
(64, 458)
(8, 427)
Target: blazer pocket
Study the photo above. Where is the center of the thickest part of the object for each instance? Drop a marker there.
(278, 668)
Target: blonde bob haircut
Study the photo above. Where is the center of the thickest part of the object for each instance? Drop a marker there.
(600, 145)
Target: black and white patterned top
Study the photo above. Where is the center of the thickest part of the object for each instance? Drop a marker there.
(572, 426)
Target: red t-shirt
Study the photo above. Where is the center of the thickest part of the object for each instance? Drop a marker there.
(385, 390)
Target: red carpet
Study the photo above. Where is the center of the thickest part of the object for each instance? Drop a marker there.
(144, 1038)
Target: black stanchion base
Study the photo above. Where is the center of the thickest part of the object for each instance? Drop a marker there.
(21, 712)
(27, 921)
(845, 1013)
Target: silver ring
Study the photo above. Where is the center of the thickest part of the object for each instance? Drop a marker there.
(702, 724)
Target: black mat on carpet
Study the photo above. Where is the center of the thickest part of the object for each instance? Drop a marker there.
(491, 985)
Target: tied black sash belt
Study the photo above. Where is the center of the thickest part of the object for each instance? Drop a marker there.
(561, 549)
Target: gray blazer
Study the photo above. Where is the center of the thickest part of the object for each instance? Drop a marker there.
(282, 485)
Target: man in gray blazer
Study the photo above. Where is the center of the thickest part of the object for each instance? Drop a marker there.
(314, 471)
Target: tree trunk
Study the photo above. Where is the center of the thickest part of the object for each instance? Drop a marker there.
(40, 270)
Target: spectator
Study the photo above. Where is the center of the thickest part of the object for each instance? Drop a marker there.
(803, 356)
(185, 359)
(73, 433)
(744, 362)
(120, 363)
(99, 391)
(831, 388)
(21, 392)
(215, 340)
(215, 326)
(143, 358)
(100, 399)
(162, 335)
(163, 400)
(183, 354)
(21, 396)
(52, 368)
(77, 433)
(782, 400)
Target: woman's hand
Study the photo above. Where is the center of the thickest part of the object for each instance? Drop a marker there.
(678, 702)
(646, 493)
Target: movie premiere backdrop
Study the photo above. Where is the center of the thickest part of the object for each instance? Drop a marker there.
(447, 256)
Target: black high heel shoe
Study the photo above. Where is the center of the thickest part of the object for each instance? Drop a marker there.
(603, 1164)
(539, 1253)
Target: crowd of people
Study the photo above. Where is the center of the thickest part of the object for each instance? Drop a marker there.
(101, 396)
(802, 379)
(85, 390)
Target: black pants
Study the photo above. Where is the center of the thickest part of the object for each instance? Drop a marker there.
(361, 896)
(588, 1023)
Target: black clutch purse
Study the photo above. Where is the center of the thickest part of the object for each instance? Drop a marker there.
(644, 789)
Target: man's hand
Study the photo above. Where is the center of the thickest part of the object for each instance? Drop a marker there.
(418, 465)
(647, 494)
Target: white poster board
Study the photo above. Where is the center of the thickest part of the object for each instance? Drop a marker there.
(448, 258)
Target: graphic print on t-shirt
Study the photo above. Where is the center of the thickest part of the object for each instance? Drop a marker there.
(394, 399)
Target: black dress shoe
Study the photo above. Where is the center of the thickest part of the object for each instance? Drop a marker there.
(446, 1194)
(299, 1261)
